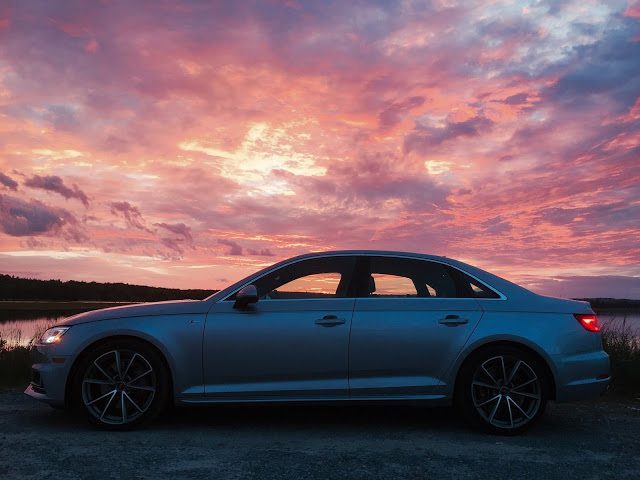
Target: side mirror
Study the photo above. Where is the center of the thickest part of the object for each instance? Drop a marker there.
(246, 296)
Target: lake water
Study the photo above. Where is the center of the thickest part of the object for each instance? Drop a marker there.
(20, 326)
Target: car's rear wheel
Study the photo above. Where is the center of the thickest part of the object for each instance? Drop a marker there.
(503, 390)
(120, 384)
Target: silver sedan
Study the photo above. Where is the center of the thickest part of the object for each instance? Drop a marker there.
(334, 326)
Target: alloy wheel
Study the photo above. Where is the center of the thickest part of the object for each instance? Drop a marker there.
(506, 392)
(119, 387)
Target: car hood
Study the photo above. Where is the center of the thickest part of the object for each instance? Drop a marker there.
(179, 307)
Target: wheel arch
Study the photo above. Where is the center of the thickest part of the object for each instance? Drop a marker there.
(475, 349)
(123, 336)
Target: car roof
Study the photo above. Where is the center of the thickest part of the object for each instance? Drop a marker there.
(368, 252)
(502, 285)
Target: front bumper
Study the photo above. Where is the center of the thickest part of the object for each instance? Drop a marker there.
(48, 376)
(582, 376)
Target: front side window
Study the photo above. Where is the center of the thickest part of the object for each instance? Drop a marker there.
(317, 285)
(327, 277)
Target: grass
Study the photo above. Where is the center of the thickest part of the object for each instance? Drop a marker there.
(15, 358)
(15, 365)
(623, 348)
(15, 362)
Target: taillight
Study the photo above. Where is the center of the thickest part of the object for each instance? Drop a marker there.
(589, 321)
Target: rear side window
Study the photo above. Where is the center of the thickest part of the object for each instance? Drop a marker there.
(408, 277)
(386, 285)
(405, 277)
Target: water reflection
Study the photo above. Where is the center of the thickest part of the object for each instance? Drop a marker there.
(19, 327)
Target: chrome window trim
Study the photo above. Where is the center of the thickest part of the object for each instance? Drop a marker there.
(320, 255)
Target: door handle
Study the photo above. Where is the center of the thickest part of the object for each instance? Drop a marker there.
(329, 321)
(453, 320)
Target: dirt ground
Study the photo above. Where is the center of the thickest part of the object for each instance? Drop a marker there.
(593, 440)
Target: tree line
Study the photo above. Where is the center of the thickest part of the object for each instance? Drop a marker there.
(15, 288)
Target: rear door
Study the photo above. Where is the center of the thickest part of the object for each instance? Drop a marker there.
(409, 325)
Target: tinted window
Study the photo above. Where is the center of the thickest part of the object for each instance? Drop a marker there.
(402, 277)
(310, 286)
(327, 277)
(393, 286)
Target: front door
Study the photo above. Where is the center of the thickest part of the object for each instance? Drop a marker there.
(292, 344)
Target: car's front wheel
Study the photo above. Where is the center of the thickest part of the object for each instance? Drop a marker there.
(503, 390)
(120, 384)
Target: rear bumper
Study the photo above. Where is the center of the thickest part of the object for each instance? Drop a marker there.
(582, 376)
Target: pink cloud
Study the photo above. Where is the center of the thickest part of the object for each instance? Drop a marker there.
(92, 46)
(633, 10)
(240, 134)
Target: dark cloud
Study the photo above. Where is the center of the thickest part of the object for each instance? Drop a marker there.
(516, 99)
(235, 249)
(8, 182)
(263, 252)
(173, 244)
(131, 214)
(20, 218)
(609, 67)
(393, 114)
(507, 29)
(178, 228)
(424, 139)
(615, 215)
(62, 117)
(496, 226)
(53, 183)
(182, 236)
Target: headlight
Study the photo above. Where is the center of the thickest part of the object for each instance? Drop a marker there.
(53, 335)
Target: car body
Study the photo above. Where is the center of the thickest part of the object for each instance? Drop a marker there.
(332, 326)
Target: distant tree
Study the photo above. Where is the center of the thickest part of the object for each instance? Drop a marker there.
(15, 288)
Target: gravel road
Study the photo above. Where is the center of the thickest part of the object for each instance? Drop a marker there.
(593, 440)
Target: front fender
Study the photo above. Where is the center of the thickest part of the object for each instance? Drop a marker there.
(177, 337)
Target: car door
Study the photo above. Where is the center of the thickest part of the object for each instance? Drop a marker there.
(409, 325)
(291, 344)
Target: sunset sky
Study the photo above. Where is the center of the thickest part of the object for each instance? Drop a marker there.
(187, 144)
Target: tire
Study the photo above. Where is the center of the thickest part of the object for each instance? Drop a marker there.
(503, 390)
(120, 384)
